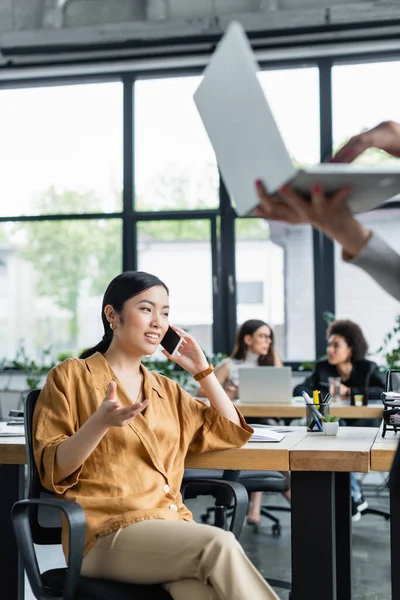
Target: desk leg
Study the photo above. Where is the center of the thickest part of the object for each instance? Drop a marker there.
(12, 489)
(395, 542)
(343, 535)
(313, 535)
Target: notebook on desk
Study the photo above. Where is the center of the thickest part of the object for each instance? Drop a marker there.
(7, 430)
(265, 385)
(266, 435)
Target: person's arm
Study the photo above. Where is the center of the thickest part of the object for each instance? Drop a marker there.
(277, 360)
(221, 372)
(381, 262)
(192, 359)
(333, 217)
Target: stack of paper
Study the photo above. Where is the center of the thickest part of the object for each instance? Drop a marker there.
(7, 430)
(262, 434)
(392, 398)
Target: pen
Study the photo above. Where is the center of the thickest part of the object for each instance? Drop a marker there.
(315, 412)
(308, 401)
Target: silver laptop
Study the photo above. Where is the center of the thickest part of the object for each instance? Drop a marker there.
(265, 385)
(249, 146)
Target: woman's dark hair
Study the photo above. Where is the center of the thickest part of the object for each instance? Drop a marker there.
(240, 349)
(120, 289)
(353, 335)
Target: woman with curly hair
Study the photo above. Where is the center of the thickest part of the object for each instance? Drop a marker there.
(346, 351)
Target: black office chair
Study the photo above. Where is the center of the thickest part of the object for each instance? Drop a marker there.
(37, 521)
(253, 481)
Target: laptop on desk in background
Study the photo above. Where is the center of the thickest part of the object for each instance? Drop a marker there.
(265, 385)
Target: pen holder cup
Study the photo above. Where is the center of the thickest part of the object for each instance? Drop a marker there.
(314, 414)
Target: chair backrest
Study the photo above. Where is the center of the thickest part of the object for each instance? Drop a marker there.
(45, 521)
(392, 380)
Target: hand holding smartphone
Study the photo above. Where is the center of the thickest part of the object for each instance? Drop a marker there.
(171, 341)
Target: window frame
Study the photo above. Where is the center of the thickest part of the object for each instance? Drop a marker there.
(223, 217)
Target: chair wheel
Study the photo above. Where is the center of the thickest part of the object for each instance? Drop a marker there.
(204, 518)
(276, 530)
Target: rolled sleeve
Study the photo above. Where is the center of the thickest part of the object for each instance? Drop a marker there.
(382, 263)
(53, 423)
(216, 432)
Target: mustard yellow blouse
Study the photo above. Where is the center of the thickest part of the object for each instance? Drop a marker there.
(136, 471)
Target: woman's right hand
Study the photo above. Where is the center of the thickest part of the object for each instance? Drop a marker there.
(111, 414)
(385, 136)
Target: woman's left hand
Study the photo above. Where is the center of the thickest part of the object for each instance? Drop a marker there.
(344, 391)
(190, 356)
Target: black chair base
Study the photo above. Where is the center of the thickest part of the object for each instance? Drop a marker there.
(265, 512)
(103, 589)
(376, 511)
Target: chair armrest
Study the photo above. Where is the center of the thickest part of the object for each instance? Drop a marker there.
(240, 498)
(77, 529)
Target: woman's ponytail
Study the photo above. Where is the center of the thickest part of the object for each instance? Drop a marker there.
(101, 347)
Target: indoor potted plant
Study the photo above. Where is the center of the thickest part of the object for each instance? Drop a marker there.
(330, 425)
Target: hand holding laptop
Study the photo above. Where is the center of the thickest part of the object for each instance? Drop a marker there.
(331, 215)
(249, 146)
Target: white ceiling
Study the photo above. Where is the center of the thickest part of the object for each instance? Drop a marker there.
(28, 26)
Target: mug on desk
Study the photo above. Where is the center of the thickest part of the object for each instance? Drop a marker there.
(359, 396)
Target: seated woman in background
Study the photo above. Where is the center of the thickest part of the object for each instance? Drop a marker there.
(346, 351)
(254, 347)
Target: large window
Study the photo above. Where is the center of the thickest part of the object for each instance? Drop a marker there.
(62, 154)
(363, 96)
(279, 257)
(358, 297)
(175, 166)
(54, 274)
(61, 149)
(294, 98)
(179, 252)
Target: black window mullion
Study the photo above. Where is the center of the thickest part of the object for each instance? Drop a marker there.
(218, 326)
(228, 271)
(129, 231)
(323, 247)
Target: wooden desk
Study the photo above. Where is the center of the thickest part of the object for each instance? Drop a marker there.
(348, 451)
(296, 411)
(12, 451)
(383, 450)
(253, 456)
(321, 523)
(319, 497)
(12, 489)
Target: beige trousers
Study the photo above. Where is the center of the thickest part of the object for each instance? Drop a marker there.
(200, 562)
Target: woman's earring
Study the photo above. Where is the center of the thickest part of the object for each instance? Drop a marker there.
(113, 327)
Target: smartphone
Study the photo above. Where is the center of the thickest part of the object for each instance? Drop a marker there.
(171, 341)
